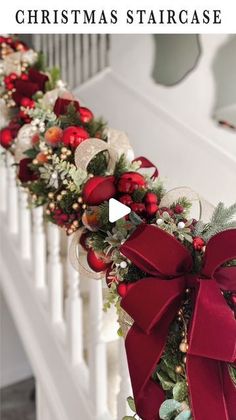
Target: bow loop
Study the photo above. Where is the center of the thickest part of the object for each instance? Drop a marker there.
(220, 249)
(164, 256)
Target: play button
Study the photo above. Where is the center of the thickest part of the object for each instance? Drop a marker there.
(117, 210)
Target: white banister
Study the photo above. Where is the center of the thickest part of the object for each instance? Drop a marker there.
(55, 280)
(39, 248)
(74, 310)
(97, 351)
(125, 385)
(24, 225)
(12, 198)
(3, 183)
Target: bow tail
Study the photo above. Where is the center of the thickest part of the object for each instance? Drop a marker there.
(208, 374)
(229, 392)
(148, 394)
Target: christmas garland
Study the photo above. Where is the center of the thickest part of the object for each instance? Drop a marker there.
(172, 278)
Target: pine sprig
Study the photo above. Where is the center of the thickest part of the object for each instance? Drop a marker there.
(223, 218)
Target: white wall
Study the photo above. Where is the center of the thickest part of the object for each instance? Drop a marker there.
(14, 365)
(193, 100)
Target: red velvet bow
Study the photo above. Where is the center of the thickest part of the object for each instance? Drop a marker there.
(145, 163)
(153, 303)
(27, 88)
(61, 105)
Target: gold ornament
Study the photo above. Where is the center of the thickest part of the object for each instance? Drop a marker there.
(51, 206)
(48, 212)
(50, 195)
(75, 206)
(80, 200)
(59, 197)
(179, 369)
(183, 347)
(63, 192)
(35, 162)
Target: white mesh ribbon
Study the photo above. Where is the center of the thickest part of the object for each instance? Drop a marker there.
(12, 62)
(23, 141)
(4, 114)
(116, 145)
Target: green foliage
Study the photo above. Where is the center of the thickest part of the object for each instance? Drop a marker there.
(222, 219)
(40, 63)
(104, 216)
(131, 404)
(70, 118)
(134, 274)
(96, 128)
(97, 240)
(232, 372)
(98, 165)
(122, 166)
(180, 391)
(135, 219)
(31, 153)
(138, 195)
(54, 76)
(158, 188)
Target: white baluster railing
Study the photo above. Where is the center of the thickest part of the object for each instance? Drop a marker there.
(97, 351)
(55, 279)
(24, 225)
(12, 204)
(3, 182)
(39, 248)
(74, 311)
(125, 385)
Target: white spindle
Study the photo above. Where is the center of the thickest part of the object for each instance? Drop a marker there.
(42, 409)
(12, 205)
(24, 225)
(39, 248)
(70, 60)
(55, 280)
(97, 351)
(85, 56)
(74, 311)
(37, 42)
(3, 182)
(64, 63)
(78, 59)
(125, 385)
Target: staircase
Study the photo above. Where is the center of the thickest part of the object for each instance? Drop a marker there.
(77, 359)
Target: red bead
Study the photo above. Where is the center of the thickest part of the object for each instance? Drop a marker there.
(10, 86)
(7, 80)
(138, 208)
(95, 262)
(151, 198)
(73, 136)
(151, 209)
(178, 209)
(6, 138)
(85, 115)
(27, 103)
(24, 76)
(130, 181)
(198, 243)
(13, 76)
(126, 199)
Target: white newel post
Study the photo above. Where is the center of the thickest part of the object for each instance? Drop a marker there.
(25, 225)
(97, 351)
(55, 280)
(39, 248)
(3, 182)
(12, 205)
(74, 312)
(125, 384)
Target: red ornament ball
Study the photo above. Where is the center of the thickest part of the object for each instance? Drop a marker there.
(95, 262)
(13, 76)
(24, 76)
(99, 189)
(85, 115)
(198, 243)
(130, 181)
(151, 198)
(151, 209)
(73, 136)
(83, 241)
(126, 199)
(6, 138)
(27, 103)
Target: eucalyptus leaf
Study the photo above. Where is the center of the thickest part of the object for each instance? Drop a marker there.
(180, 391)
(128, 418)
(168, 409)
(184, 415)
(131, 403)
